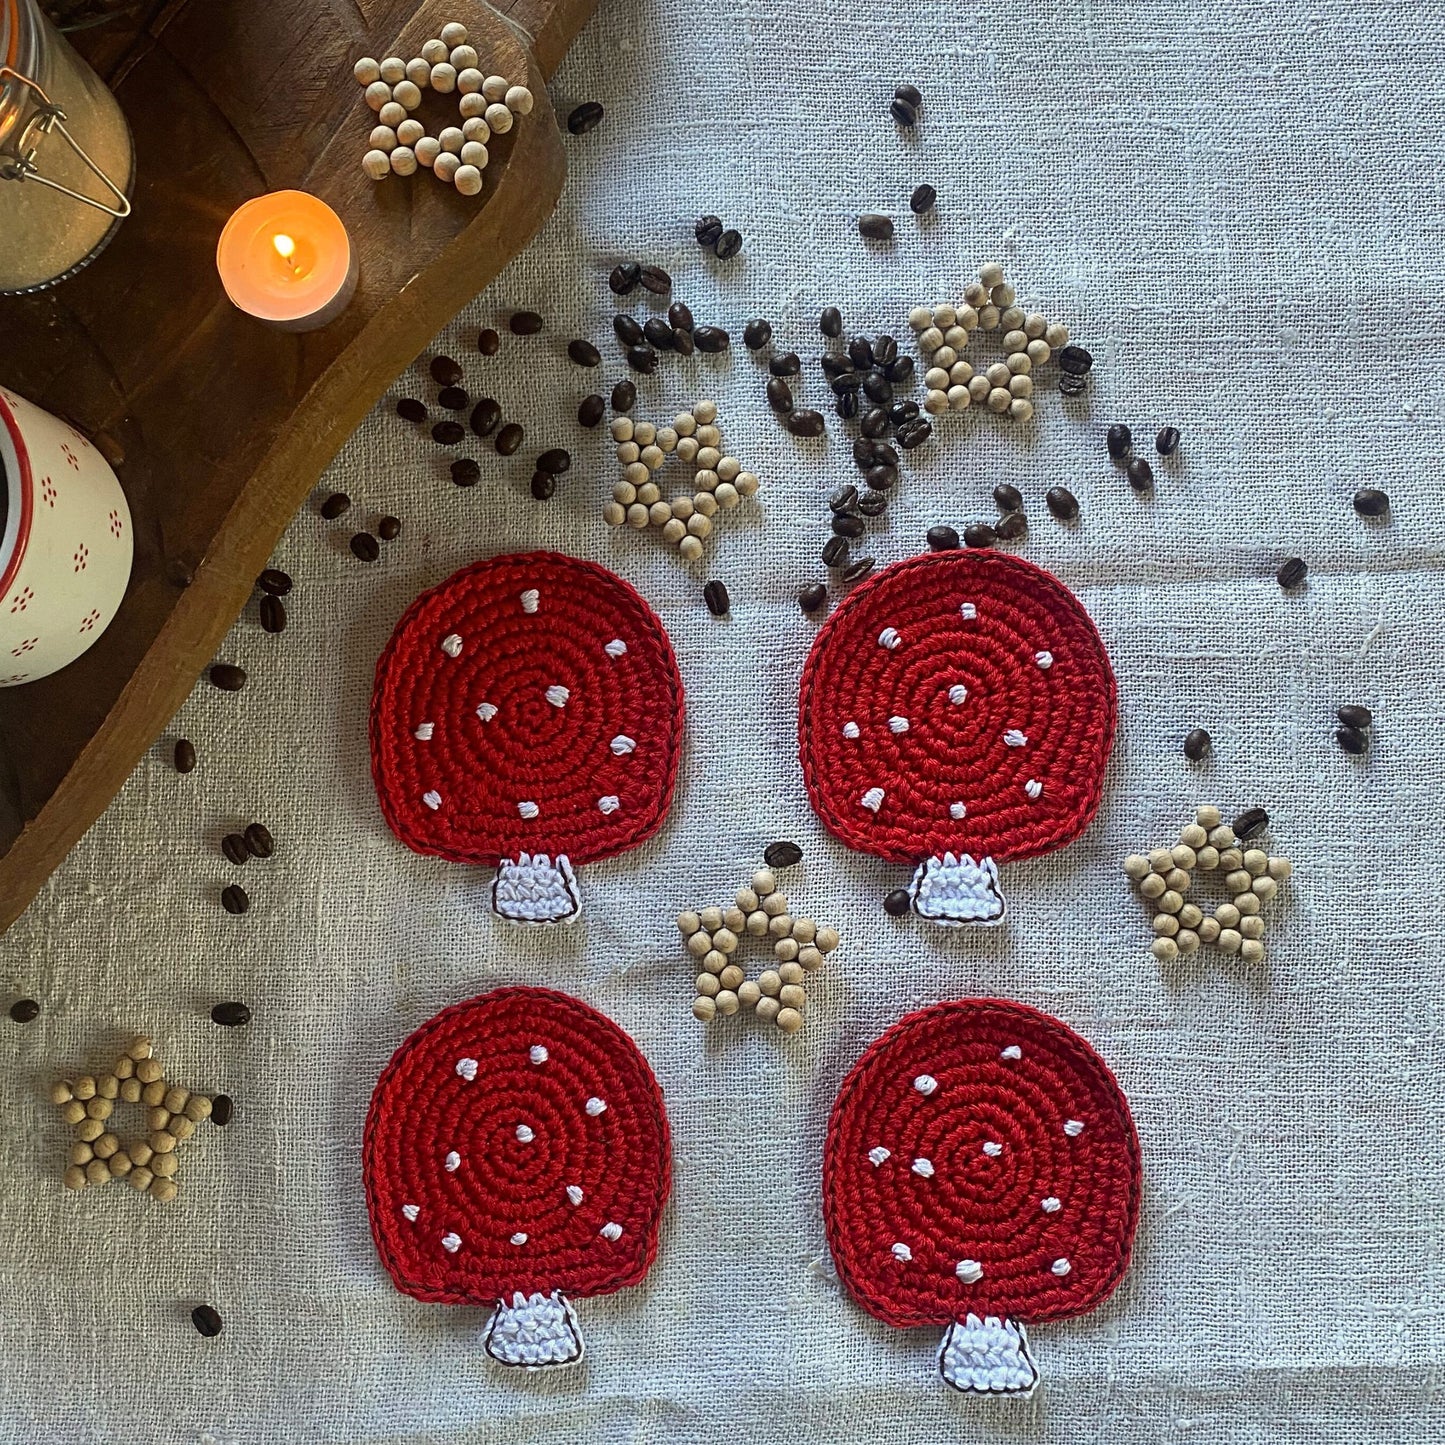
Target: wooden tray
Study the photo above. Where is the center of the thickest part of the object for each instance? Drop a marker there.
(224, 423)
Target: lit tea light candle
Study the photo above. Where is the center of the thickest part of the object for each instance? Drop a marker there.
(286, 259)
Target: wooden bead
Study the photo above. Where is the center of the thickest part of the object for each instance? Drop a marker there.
(175, 1099)
(1160, 860)
(519, 100)
(107, 1086)
(1265, 888)
(1166, 925)
(495, 88)
(727, 1002)
(1057, 335)
(735, 920)
(786, 949)
(1183, 856)
(1136, 866)
(81, 1153)
(152, 1093)
(1280, 869)
(682, 508)
(758, 923)
(703, 1009)
(1002, 295)
(446, 166)
(1178, 879)
(454, 33)
(749, 994)
(474, 153)
(791, 972)
(1152, 885)
(746, 484)
(377, 94)
(991, 274)
(60, 1093)
(781, 926)
(444, 77)
(1164, 949)
(713, 961)
(1020, 408)
(451, 138)
(366, 70)
(100, 1108)
(1190, 916)
(764, 882)
(164, 1190)
(427, 149)
(139, 1179)
(1207, 817)
(1207, 858)
(725, 939)
(1230, 939)
(769, 982)
(97, 1172)
(464, 57)
(468, 179)
(140, 1153)
(473, 110)
(1013, 340)
(1247, 903)
(791, 996)
(105, 1146)
(403, 161)
(74, 1177)
(180, 1127)
(418, 71)
(690, 548)
(1193, 836)
(731, 977)
(775, 905)
(707, 985)
(148, 1070)
(393, 68)
(1170, 901)
(768, 1009)
(688, 922)
(827, 940)
(700, 943)
(161, 1142)
(1039, 352)
(988, 318)
(499, 118)
(157, 1118)
(1252, 927)
(383, 133)
(789, 1020)
(120, 1164)
(73, 1112)
(1227, 915)
(1251, 950)
(435, 51)
(1208, 929)
(810, 957)
(1256, 862)
(1021, 388)
(637, 516)
(1186, 941)
(614, 514)
(804, 930)
(1222, 836)
(726, 495)
(124, 1067)
(999, 399)
(674, 531)
(1230, 859)
(83, 1088)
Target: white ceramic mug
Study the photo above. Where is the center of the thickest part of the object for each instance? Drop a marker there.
(65, 546)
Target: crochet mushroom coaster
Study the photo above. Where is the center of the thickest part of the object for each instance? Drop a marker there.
(527, 715)
(761, 910)
(516, 1155)
(1250, 875)
(981, 1171)
(958, 709)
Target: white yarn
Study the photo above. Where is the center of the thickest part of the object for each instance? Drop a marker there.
(533, 1332)
(954, 891)
(533, 889)
(988, 1356)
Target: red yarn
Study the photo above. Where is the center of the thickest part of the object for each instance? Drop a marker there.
(560, 759)
(977, 1205)
(954, 752)
(423, 1110)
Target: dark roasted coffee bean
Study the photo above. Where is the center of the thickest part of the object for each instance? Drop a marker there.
(509, 439)
(922, 200)
(555, 460)
(877, 387)
(585, 117)
(544, 484)
(1196, 744)
(1062, 503)
(910, 93)
(1371, 502)
(846, 405)
(857, 571)
(466, 472)
(1075, 361)
(658, 333)
(844, 498)
(1167, 441)
(1352, 714)
(274, 581)
(1291, 572)
(228, 677)
(830, 321)
(489, 343)
(897, 903)
(715, 594)
(942, 539)
(185, 755)
(1352, 740)
(655, 280)
(221, 1110)
(230, 1015)
(336, 504)
(591, 410)
(860, 353)
(1250, 823)
(780, 394)
(623, 278)
(872, 504)
(875, 423)
(905, 114)
(873, 227)
(864, 452)
(902, 411)
(757, 334)
(835, 551)
(410, 409)
(1120, 441)
(899, 372)
(914, 433)
(1011, 526)
(1008, 497)
(812, 597)
(388, 528)
(834, 365)
(365, 547)
(683, 342)
(584, 353)
(233, 845)
(680, 316)
(445, 371)
(448, 433)
(728, 245)
(979, 534)
(845, 381)
(642, 359)
(206, 1321)
(707, 230)
(848, 526)
(885, 350)
(881, 479)
(711, 339)
(259, 841)
(624, 396)
(453, 398)
(26, 1010)
(785, 365)
(485, 416)
(782, 855)
(806, 422)
(524, 323)
(884, 456)
(1071, 385)
(235, 899)
(629, 329)
(1140, 474)
(273, 614)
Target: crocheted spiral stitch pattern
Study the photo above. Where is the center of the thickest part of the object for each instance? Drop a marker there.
(516, 1142)
(960, 701)
(981, 1160)
(528, 704)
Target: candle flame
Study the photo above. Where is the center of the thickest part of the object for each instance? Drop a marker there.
(285, 246)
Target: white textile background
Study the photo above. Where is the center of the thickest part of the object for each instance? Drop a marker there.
(1237, 208)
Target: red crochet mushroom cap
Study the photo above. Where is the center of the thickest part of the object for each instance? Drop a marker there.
(957, 702)
(516, 1142)
(529, 704)
(980, 1160)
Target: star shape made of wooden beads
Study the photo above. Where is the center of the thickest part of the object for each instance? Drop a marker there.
(719, 483)
(1251, 876)
(97, 1155)
(759, 911)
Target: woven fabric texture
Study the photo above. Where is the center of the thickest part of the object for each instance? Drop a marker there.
(1236, 209)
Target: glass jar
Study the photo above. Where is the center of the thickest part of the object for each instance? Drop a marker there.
(66, 158)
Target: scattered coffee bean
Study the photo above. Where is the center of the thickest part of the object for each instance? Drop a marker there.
(623, 279)
(230, 1015)
(584, 353)
(509, 438)
(591, 411)
(812, 597)
(453, 398)
(1008, 497)
(830, 322)
(782, 855)
(524, 323)
(445, 371)
(1196, 744)
(228, 677)
(585, 117)
(682, 342)
(857, 571)
(185, 755)
(1291, 572)
(680, 316)
(835, 551)
(656, 331)
(1167, 442)
(655, 280)
(877, 387)
(235, 899)
(914, 433)
(780, 394)
(25, 1010)
(864, 449)
(410, 409)
(872, 504)
(874, 227)
(624, 396)
(885, 350)
(1251, 822)
(728, 245)
(629, 329)
(466, 472)
(899, 372)
(642, 359)
(555, 460)
(273, 614)
(447, 433)
(757, 333)
(922, 200)
(365, 547)
(848, 526)
(1062, 503)
(875, 423)
(880, 478)
(1120, 441)
(221, 1110)
(910, 93)
(1352, 740)
(707, 230)
(897, 903)
(712, 339)
(274, 581)
(844, 498)
(485, 416)
(834, 365)
(1075, 361)
(388, 528)
(846, 405)
(544, 484)
(336, 504)
(787, 364)
(259, 842)
(1355, 715)
(860, 352)
(942, 539)
(979, 534)
(902, 411)
(1011, 526)
(489, 343)
(1140, 474)
(805, 422)
(906, 115)
(206, 1321)
(1371, 502)
(844, 382)
(715, 594)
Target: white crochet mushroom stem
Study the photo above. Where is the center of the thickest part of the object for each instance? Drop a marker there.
(534, 1332)
(535, 889)
(987, 1356)
(956, 891)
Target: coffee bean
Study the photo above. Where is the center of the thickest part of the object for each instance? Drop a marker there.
(979, 534)
(206, 1321)
(835, 551)
(1071, 384)
(1353, 715)
(447, 433)
(873, 227)
(485, 416)
(259, 841)
(899, 372)
(1352, 741)
(509, 438)
(410, 409)
(228, 677)
(860, 353)
(1167, 441)
(680, 315)
(780, 394)
(656, 331)
(274, 581)
(805, 422)
(624, 396)
(845, 381)
(872, 504)
(1291, 572)
(335, 505)
(844, 498)
(905, 114)
(623, 278)
(922, 200)
(830, 321)
(524, 323)
(544, 484)
(388, 528)
(857, 571)
(1196, 744)
(584, 117)
(591, 411)
(1120, 441)
(365, 547)
(846, 526)
(715, 594)
(655, 280)
(914, 433)
(812, 597)
(1011, 526)
(902, 411)
(712, 339)
(683, 342)
(897, 903)
(885, 350)
(875, 423)
(25, 1010)
(273, 614)
(445, 371)
(555, 460)
(707, 230)
(1371, 502)
(782, 855)
(642, 359)
(1062, 503)
(489, 343)
(846, 405)
(453, 398)
(1008, 497)
(757, 333)
(466, 472)
(728, 245)
(880, 479)
(235, 899)
(884, 455)
(835, 365)
(1075, 361)
(1251, 822)
(910, 93)
(785, 365)
(629, 329)
(221, 1110)
(584, 353)
(230, 1015)
(1140, 474)
(185, 755)
(863, 452)
(877, 387)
